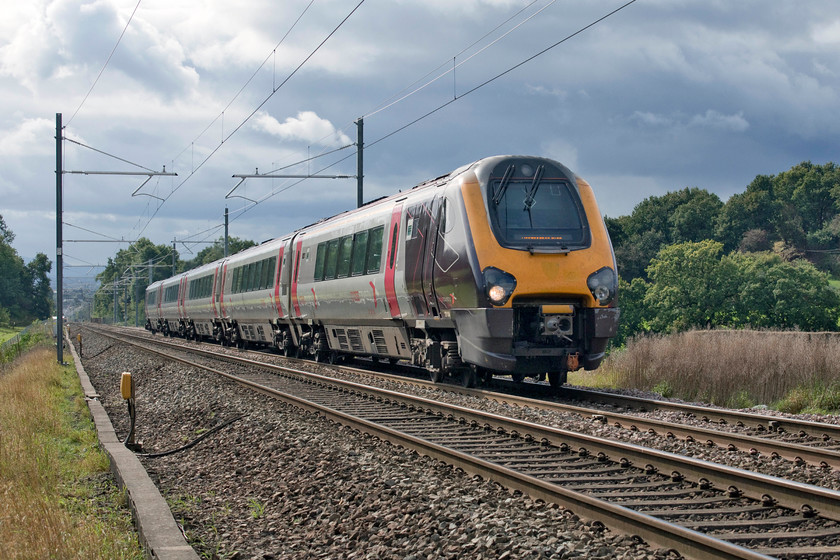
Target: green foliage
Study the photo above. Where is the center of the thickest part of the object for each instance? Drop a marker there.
(691, 287)
(215, 252)
(25, 292)
(658, 221)
(813, 400)
(635, 315)
(128, 271)
(687, 260)
(694, 285)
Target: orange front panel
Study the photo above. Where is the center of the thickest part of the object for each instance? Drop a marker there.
(560, 275)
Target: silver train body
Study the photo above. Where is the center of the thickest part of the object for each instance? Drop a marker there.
(502, 267)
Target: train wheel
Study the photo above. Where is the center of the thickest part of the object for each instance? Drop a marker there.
(470, 377)
(556, 379)
(436, 375)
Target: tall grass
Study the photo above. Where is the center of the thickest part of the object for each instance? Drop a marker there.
(55, 499)
(740, 368)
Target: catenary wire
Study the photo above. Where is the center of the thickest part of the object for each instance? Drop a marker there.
(248, 81)
(275, 192)
(109, 155)
(453, 68)
(93, 85)
(499, 75)
(446, 104)
(390, 102)
(235, 130)
(398, 97)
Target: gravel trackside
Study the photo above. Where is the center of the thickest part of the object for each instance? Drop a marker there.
(281, 483)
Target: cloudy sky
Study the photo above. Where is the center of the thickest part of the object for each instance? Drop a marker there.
(661, 95)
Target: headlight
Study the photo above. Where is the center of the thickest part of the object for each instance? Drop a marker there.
(498, 285)
(603, 284)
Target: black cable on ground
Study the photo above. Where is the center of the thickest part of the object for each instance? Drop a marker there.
(132, 414)
(193, 442)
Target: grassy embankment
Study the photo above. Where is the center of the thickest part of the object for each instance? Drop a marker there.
(56, 496)
(7, 332)
(789, 371)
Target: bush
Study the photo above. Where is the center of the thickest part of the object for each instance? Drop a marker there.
(737, 368)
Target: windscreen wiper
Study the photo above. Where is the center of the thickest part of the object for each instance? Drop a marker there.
(532, 192)
(500, 192)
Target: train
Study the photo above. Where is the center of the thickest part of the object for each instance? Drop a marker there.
(503, 267)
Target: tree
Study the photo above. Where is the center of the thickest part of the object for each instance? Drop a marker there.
(6, 235)
(754, 209)
(685, 215)
(775, 293)
(635, 315)
(691, 287)
(39, 283)
(25, 292)
(128, 274)
(216, 251)
(694, 218)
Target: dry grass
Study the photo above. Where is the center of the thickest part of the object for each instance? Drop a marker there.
(55, 499)
(796, 370)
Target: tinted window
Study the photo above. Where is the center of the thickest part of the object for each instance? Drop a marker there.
(359, 252)
(535, 205)
(374, 256)
(331, 262)
(319, 261)
(345, 251)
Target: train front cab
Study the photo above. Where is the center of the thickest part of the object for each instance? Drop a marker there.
(547, 268)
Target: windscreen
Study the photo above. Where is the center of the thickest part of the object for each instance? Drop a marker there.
(534, 206)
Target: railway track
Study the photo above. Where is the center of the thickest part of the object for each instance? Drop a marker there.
(701, 509)
(802, 442)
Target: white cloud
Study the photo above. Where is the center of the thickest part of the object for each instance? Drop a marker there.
(827, 33)
(713, 119)
(30, 138)
(651, 119)
(710, 119)
(65, 39)
(307, 127)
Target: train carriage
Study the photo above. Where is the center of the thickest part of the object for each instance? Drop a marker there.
(502, 267)
(172, 319)
(252, 293)
(201, 310)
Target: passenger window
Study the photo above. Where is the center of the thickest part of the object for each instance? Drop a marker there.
(360, 241)
(344, 255)
(319, 261)
(249, 282)
(332, 260)
(374, 256)
(269, 272)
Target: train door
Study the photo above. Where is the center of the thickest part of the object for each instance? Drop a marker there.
(392, 248)
(217, 291)
(421, 235)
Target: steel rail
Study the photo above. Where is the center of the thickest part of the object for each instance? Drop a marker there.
(734, 441)
(791, 494)
(653, 530)
(794, 425)
(795, 452)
